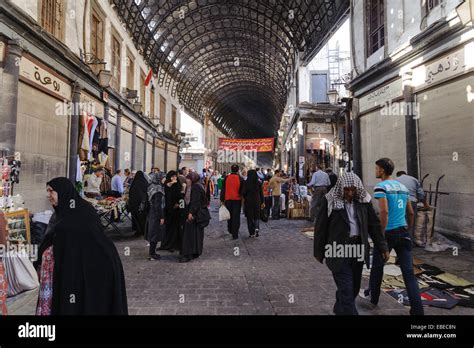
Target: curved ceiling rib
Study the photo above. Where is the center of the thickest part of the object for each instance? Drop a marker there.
(230, 61)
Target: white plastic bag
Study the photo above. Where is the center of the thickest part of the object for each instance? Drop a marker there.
(224, 214)
(20, 273)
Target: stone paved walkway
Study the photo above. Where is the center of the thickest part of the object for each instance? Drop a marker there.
(274, 274)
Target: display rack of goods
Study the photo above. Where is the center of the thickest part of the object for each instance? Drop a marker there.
(18, 226)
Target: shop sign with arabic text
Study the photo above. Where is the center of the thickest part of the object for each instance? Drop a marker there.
(259, 145)
(35, 74)
(451, 65)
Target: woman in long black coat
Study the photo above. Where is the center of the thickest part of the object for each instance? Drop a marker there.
(193, 235)
(86, 271)
(173, 196)
(156, 214)
(138, 202)
(253, 202)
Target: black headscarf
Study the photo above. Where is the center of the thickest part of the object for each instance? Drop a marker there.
(138, 191)
(68, 198)
(251, 184)
(170, 174)
(86, 262)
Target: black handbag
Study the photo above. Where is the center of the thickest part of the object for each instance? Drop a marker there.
(203, 217)
(264, 214)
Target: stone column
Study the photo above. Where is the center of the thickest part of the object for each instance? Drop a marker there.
(9, 97)
(106, 112)
(356, 138)
(118, 134)
(144, 151)
(74, 131)
(134, 146)
(411, 135)
(153, 152)
(165, 164)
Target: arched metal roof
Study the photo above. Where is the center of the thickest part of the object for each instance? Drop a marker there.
(230, 60)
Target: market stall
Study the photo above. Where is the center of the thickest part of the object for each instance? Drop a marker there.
(111, 211)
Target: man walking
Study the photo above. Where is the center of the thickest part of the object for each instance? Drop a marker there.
(345, 221)
(275, 187)
(394, 210)
(332, 178)
(231, 196)
(117, 184)
(214, 178)
(319, 183)
(416, 194)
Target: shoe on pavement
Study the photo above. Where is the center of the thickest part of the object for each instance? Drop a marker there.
(184, 259)
(154, 257)
(365, 294)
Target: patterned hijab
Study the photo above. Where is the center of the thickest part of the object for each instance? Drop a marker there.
(335, 197)
(156, 186)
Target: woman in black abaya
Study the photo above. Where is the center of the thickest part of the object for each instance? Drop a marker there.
(171, 241)
(192, 235)
(138, 202)
(253, 201)
(77, 261)
(156, 216)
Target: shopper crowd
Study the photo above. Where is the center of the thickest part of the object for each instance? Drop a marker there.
(80, 271)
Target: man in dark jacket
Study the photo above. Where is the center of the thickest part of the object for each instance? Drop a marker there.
(332, 178)
(231, 196)
(341, 236)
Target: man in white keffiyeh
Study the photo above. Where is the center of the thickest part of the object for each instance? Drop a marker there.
(348, 180)
(344, 224)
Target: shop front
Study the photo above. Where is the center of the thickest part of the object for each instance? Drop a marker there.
(41, 130)
(382, 132)
(149, 153)
(160, 146)
(139, 149)
(172, 157)
(126, 143)
(321, 146)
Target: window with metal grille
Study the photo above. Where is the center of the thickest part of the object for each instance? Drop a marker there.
(115, 64)
(52, 17)
(431, 4)
(375, 25)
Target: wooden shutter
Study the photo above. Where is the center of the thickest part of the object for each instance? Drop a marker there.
(162, 110)
(173, 120)
(152, 104)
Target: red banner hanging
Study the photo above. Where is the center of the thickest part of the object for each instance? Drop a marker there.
(259, 145)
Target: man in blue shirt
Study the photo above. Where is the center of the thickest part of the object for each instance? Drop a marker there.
(117, 184)
(393, 198)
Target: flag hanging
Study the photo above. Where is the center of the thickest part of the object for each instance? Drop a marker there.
(149, 77)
